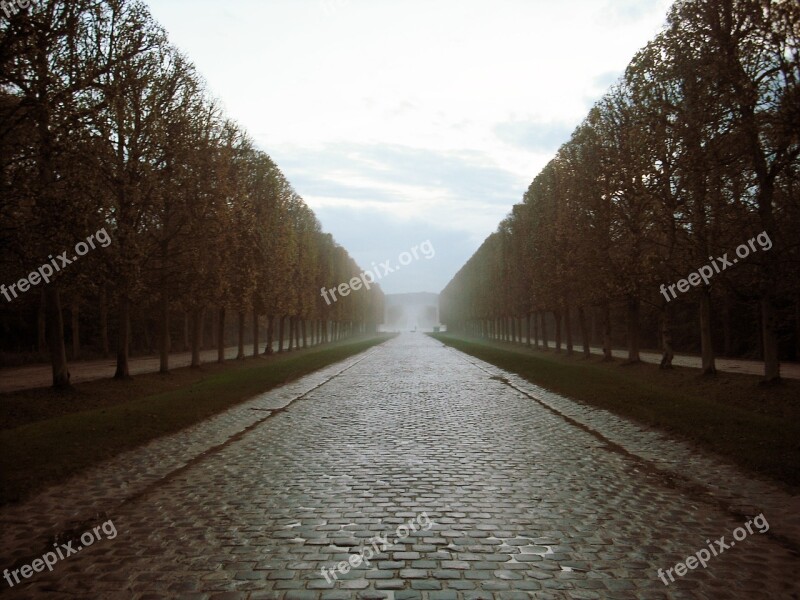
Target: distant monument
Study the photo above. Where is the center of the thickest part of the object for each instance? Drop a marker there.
(410, 312)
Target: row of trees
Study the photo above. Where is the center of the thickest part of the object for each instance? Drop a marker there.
(691, 154)
(104, 124)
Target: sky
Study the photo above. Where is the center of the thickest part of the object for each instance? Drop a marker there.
(410, 122)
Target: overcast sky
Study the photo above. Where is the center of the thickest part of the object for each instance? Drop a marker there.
(401, 121)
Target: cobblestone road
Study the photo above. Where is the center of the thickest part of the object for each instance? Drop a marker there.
(524, 503)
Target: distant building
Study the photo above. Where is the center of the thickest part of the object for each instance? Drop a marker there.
(407, 312)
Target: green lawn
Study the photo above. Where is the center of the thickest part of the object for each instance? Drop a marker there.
(47, 437)
(757, 427)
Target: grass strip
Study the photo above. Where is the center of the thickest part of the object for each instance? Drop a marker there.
(756, 427)
(50, 450)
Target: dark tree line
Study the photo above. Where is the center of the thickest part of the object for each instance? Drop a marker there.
(103, 124)
(691, 154)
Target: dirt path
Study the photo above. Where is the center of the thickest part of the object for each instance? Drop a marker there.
(38, 376)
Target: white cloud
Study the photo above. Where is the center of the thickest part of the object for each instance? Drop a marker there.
(482, 92)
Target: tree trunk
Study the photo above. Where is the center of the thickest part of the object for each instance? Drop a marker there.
(163, 335)
(44, 193)
(256, 344)
(585, 340)
(535, 320)
(281, 327)
(305, 332)
(197, 334)
(123, 338)
(291, 335)
(766, 176)
(55, 337)
(633, 329)
(706, 345)
(240, 353)
(666, 337)
(221, 336)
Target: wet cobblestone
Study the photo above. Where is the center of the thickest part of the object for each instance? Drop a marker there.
(524, 503)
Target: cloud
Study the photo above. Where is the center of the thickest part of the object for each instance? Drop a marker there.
(381, 200)
(391, 176)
